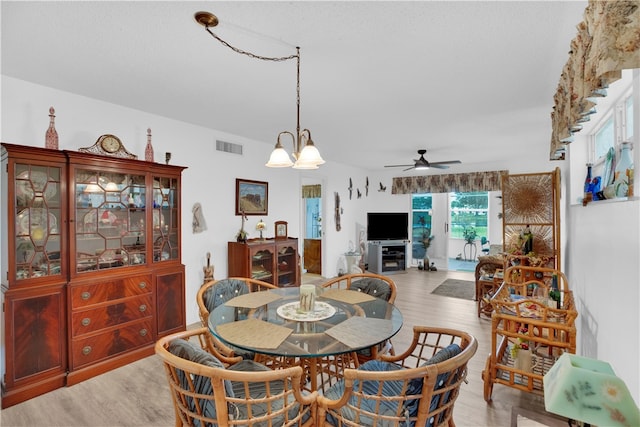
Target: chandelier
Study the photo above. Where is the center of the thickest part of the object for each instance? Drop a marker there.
(305, 153)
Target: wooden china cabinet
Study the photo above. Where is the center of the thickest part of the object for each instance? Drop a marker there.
(273, 261)
(91, 264)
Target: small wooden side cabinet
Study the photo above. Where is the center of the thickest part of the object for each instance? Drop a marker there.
(273, 261)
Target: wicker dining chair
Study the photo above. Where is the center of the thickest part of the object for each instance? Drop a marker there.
(205, 393)
(376, 285)
(418, 387)
(217, 292)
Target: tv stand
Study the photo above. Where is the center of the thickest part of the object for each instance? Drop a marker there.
(387, 257)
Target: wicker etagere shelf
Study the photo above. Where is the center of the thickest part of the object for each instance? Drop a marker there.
(519, 318)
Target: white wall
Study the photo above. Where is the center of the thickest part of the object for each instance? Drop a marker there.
(209, 178)
(602, 262)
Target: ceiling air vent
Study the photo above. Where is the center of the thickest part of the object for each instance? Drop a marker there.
(228, 147)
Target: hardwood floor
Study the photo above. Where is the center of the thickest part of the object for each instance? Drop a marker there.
(138, 394)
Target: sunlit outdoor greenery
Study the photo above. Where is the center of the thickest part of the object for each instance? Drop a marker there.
(467, 210)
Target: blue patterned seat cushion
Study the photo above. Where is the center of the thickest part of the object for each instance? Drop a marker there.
(391, 388)
(257, 390)
(221, 292)
(378, 308)
(187, 350)
(372, 286)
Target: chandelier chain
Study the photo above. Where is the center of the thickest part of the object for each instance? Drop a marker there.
(253, 55)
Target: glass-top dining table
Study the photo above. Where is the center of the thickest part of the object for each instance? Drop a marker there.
(271, 323)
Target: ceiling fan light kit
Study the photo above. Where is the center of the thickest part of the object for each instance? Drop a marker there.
(422, 164)
(306, 155)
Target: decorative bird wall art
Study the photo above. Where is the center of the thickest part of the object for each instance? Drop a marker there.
(382, 188)
(350, 188)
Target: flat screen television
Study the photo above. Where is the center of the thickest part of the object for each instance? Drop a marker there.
(387, 226)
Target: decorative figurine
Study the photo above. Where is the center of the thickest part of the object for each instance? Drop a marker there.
(208, 270)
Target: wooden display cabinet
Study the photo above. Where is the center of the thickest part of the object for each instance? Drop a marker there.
(34, 272)
(270, 260)
(91, 267)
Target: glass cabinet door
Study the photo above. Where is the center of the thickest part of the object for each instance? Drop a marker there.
(262, 264)
(287, 264)
(38, 220)
(110, 212)
(166, 244)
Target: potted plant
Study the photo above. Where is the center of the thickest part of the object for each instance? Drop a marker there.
(241, 236)
(469, 234)
(426, 240)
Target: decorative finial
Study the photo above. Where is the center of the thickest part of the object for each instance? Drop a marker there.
(148, 151)
(51, 137)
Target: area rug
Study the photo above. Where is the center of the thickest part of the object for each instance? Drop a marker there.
(454, 288)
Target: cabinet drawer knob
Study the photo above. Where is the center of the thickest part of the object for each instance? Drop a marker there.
(85, 295)
(143, 332)
(142, 285)
(86, 350)
(143, 307)
(86, 321)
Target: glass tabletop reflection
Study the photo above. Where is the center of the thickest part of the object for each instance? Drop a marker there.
(336, 326)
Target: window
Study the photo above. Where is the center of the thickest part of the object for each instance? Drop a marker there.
(421, 205)
(604, 139)
(628, 109)
(469, 210)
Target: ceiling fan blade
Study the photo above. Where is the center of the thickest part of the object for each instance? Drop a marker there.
(436, 166)
(408, 169)
(449, 162)
(396, 166)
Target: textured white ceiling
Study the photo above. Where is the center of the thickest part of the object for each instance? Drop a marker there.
(466, 80)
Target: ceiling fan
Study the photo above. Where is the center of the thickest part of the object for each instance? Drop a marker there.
(422, 163)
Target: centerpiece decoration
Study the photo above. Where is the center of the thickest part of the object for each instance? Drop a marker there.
(261, 226)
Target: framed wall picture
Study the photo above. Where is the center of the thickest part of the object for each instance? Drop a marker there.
(252, 197)
(282, 230)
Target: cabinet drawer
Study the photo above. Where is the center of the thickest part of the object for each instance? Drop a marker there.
(83, 322)
(84, 295)
(111, 343)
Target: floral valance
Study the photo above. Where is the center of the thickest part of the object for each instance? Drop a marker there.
(608, 41)
(312, 191)
(459, 182)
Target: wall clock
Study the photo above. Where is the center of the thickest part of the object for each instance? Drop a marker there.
(281, 230)
(109, 145)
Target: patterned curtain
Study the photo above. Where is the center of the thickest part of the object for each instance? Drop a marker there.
(312, 191)
(459, 182)
(607, 42)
